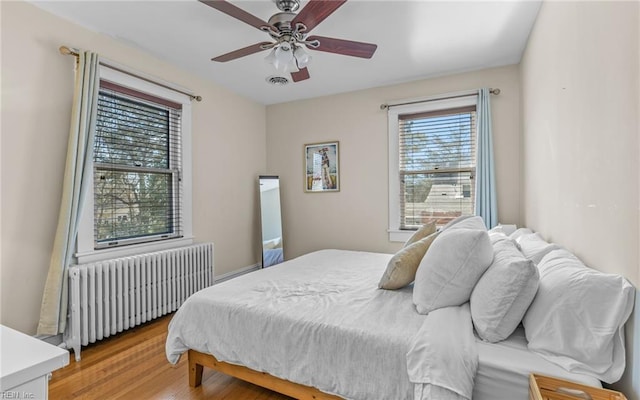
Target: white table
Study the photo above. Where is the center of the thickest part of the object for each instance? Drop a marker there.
(25, 365)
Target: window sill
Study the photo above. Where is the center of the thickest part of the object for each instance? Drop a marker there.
(124, 251)
(396, 235)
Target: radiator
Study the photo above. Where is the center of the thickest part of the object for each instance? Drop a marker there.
(108, 297)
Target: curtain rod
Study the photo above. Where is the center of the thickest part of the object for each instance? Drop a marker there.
(385, 106)
(67, 51)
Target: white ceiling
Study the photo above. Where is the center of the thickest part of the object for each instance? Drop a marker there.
(416, 39)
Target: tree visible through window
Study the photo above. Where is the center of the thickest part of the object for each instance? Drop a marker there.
(437, 165)
(137, 161)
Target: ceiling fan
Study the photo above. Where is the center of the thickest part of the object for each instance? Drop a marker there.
(290, 34)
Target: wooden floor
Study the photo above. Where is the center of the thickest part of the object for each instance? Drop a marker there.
(132, 365)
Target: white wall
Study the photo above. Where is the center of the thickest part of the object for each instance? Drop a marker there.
(580, 106)
(356, 217)
(37, 83)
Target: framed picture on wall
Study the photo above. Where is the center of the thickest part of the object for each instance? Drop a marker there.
(322, 169)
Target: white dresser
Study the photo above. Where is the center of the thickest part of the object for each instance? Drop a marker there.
(25, 365)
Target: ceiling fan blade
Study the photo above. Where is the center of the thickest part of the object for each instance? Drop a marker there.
(344, 47)
(245, 51)
(301, 75)
(315, 12)
(235, 12)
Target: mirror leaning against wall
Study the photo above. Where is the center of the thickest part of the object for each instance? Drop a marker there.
(271, 220)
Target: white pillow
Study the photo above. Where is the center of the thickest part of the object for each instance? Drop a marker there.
(534, 247)
(503, 293)
(519, 232)
(466, 222)
(577, 317)
(451, 268)
(455, 221)
(495, 237)
(507, 229)
(401, 269)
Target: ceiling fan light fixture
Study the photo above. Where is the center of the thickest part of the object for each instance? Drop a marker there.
(302, 57)
(282, 58)
(271, 57)
(291, 66)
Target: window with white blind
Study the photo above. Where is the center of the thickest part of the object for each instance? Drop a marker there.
(137, 168)
(141, 199)
(432, 163)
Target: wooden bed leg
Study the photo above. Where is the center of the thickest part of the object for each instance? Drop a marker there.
(195, 371)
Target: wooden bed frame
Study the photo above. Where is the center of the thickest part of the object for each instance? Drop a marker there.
(199, 360)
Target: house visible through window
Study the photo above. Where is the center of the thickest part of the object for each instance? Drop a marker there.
(137, 168)
(432, 163)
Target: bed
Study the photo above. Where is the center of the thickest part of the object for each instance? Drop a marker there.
(319, 327)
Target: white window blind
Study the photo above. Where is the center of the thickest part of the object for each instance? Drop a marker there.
(137, 168)
(437, 160)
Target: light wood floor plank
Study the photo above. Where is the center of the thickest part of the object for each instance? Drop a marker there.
(132, 365)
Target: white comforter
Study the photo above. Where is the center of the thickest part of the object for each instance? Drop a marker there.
(443, 358)
(320, 320)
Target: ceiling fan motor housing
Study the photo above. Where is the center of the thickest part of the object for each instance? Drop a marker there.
(287, 5)
(282, 22)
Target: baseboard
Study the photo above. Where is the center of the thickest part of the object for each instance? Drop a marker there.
(235, 274)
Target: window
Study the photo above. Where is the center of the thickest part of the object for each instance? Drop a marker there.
(432, 163)
(137, 168)
(141, 181)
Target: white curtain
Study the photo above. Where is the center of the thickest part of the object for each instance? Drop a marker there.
(53, 311)
(486, 205)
